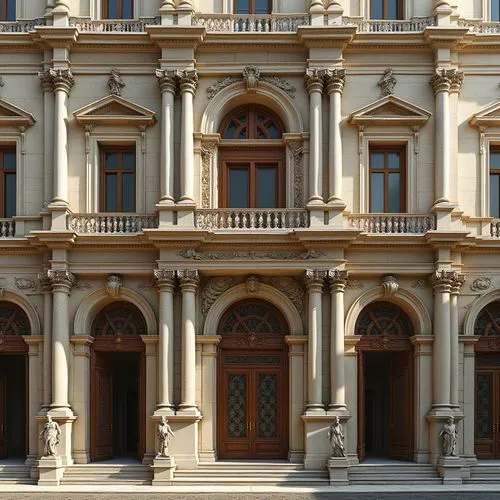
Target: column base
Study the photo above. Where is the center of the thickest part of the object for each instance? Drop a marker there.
(188, 410)
(164, 411)
(338, 471)
(50, 470)
(450, 469)
(315, 409)
(163, 471)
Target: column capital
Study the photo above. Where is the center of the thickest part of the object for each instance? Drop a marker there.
(165, 279)
(457, 283)
(62, 280)
(457, 79)
(337, 279)
(167, 80)
(45, 282)
(188, 80)
(188, 278)
(314, 279)
(46, 81)
(314, 80)
(442, 280)
(444, 80)
(335, 80)
(62, 79)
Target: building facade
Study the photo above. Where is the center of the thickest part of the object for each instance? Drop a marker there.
(250, 217)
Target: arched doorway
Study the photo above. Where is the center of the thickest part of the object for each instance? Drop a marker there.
(385, 382)
(487, 383)
(14, 323)
(252, 391)
(117, 383)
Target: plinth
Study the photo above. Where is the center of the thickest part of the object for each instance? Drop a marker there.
(163, 471)
(338, 471)
(50, 471)
(450, 469)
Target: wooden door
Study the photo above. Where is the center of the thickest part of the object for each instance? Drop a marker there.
(141, 407)
(3, 416)
(400, 403)
(101, 407)
(361, 407)
(487, 413)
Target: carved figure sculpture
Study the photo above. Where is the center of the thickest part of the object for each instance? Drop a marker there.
(336, 437)
(387, 83)
(115, 82)
(164, 434)
(50, 435)
(449, 436)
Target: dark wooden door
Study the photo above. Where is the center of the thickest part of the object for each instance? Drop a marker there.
(361, 407)
(101, 407)
(3, 416)
(400, 402)
(487, 409)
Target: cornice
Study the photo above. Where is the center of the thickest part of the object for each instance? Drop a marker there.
(56, 36)
(180, 36)
(326, 36)
(445, 35)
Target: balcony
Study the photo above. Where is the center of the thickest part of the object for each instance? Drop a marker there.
(243, 220)
(111, 223)
(236, 23)
(480, 27)
(21, 25)
(410, 224)
(87, 25)
(413, 25)
(7, 228)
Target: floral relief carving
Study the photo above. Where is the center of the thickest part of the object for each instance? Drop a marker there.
(194, 255)
(284, 85)
(219, 85)
(207, 153)
(212, 290)
(354, 284)
(291, 289)
(296, 156)
(83, 285)
(480, 284)
(26, 284)
(420, 284)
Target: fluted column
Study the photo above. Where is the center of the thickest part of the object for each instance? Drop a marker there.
(63, 81)
(442, 283)
(166, 283)
(62, 282)
(168, 85)
(314, 282)
(189, 281)
(188, 81)
(335, 79)
(47, 338)
(454, 345)
(337, 280)
(314, 84)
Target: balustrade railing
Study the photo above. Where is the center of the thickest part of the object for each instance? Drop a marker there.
(7, 228)
(251, 219)
(111, 223)
(21, 25)
(393, 224)
(481, 27)
(85, 24)
(251, 23)
(414, 24)
(495, 229)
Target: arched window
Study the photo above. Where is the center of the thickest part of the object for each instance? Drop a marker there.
(252, 174)
(119, 319)
(13, 320)
(384, 319)
(488, 321)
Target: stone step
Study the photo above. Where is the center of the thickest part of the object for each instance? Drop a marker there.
(107, 474)
(364, 474)
(15, 474)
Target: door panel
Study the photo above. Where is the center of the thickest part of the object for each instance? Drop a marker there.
(361, 407)
(3, 419)
(487, 413)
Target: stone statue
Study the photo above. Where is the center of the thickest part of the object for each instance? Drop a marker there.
(164, 434)
(50, 435)
(115, 82)
(387, 83)
(449, 436)
(336, 437)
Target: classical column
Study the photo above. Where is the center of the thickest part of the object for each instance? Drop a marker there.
(63, 81)
(314, 282)
(442, 283)
(441, 83)
(314, 83)
(338, 280)
(454, 346)
(188, 81)
(188, 280)
(62, 282)
(335, 79)
(166, 283)
(45, 284)
(456, 86)
(167, 80)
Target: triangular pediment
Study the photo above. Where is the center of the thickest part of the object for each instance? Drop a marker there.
(388, 111)
(114, 110)
(487, 117)
(14, 116)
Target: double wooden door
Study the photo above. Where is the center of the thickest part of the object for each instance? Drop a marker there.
(3, 415)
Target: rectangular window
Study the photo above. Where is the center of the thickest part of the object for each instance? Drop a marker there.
(118, 9)
(252, 6)
(495, 10)
(495, 182)
(387, 179)
(118, 170)
(8, 181)
(387, 9)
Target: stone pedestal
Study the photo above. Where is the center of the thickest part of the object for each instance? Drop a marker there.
(450, 469)
(50, 471)
(163, 471)
(338, 471)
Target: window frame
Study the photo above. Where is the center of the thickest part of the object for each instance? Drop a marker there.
(5, 148)
(252, 8)
(104, 10)
(400, 10)
(4, 11)
(492, 147)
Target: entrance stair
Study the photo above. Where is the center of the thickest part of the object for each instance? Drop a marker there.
(393, 472)
(484, 473)
(269, 473)
(106, 473)
(15, 474)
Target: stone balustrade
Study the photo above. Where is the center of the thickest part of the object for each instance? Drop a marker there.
(251, 23)
(481, 27)
(495, 229)
(21, 26)
(85, 24)
(111, 223)
(7, 228)
(393, 223)
(414, 24)
(245, 219)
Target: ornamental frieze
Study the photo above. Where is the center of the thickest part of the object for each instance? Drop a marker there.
(194, 255)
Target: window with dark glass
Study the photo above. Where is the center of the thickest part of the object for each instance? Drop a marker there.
(495, 10)
(118, 179)
(118, 9)
(387, 9)
(495, 182)
(7, 10)
(387, 179)
(8, 181)
(252, 6)
(252, 176)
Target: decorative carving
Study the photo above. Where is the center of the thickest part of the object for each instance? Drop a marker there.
(457, 283)
(164, 433)
(296, 149)
(314, 78)
(291, 289)
(219, 85)
(251, 76)
(284, 85)
(420, 284)
(447, 80)
(335, 80)
(115, 82)
(354, 284)
(442, 280)
(146, 285)
(61, 278)
(165, 277)
(26, 284)
(194, 255)
(449, 435)
(167, 80)
(480, 284)
(83, 285)
(113, 285)
(336, 438)
(387, 83)
(62, 79)
(50, 435)
(315, 278)
(207, 153)
(46, 81)
(188, 80)
(212, 290)
(390, 286)
(252, 283)
(188, 277)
